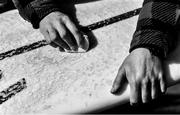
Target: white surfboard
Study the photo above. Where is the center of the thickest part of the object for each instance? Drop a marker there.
(59, 82)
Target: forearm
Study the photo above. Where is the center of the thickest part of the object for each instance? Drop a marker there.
(35, 10)
(156, 26)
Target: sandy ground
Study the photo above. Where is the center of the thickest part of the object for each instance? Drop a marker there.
(60, 82)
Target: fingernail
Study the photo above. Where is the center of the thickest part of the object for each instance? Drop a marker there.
(85, 42)
(73, 47)
(131, 104)
(81, 50)
(164, 90)
(145, 101)
(134, 104)
(154, 97)
(112, 90)
(68, 51)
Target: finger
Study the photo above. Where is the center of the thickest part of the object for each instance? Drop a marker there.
(54, 36)
(162, 83)
(53, 44)
(48, 40)
(46, 36)
(135, 94)
(75, 32)
(146, 95)
(66, 36)
(85, 41)
(155, 88)
(62, 44)
(119, 81)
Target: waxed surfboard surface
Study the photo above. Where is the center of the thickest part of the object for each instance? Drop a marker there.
(59, 82)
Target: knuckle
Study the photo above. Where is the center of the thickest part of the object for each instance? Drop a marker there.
(53, 37)
(76, 31)
(64, 35)
(152, 79)
(132, 82)
(58, 22)
(65, 18)
(138, 80)
(145, 81)
(48, 41)
(160, 75)
(139, 75)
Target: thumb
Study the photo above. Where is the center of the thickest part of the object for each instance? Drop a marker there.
(119, 82)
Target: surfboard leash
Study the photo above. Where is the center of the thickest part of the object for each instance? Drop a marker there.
(12, 90)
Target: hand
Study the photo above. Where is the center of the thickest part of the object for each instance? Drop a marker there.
(60, 31)
(144, 73)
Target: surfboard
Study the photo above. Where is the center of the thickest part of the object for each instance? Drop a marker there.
(38, 79)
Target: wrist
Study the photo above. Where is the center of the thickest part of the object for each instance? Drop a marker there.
(155, 51)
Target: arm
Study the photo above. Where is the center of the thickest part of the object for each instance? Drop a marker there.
(156, 27)
(55, 25)
(35, 10)
(153, 39)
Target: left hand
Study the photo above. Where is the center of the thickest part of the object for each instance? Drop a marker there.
(143, 71)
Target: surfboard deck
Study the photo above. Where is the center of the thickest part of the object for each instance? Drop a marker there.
(59, 82)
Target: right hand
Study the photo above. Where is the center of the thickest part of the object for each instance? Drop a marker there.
(60, 31)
